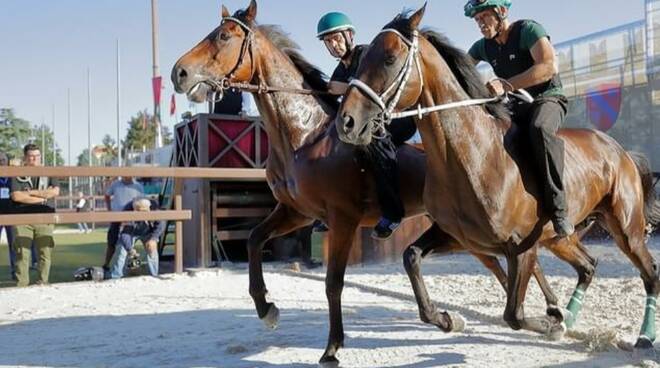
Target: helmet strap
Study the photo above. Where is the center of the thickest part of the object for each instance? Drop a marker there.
(500, 22)
(349, 45)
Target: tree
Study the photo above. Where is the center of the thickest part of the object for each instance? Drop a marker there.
(15, 133)
(82, 158)
(142, 133)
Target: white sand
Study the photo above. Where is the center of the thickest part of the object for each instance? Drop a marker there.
(208, 320)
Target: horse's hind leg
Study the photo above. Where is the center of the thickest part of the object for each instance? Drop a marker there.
(281, 221)
(570, 250)
(630, 237)
(434, 240)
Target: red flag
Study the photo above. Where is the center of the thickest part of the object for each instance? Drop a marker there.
(173, 105)
(156, 83)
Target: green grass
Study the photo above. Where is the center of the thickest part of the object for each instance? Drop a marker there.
(71, 252)
(83, 250)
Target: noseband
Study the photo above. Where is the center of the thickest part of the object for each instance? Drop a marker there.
(398, 84)
(387, 107)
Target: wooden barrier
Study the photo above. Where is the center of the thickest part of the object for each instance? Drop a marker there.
(177, 215)
(178, 173)
(138, 172)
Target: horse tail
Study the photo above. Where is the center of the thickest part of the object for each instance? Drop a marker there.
(651, 203)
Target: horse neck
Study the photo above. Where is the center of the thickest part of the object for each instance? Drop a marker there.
(470, 133)
(292, 120)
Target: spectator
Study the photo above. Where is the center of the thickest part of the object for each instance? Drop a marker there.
(81, 207)
(5, 208)
(149, 232)
(120, 194)
(30, 195)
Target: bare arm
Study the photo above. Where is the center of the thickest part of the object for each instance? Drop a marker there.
(25, 198)
(544, 67)
(49, 193)
(473, 60)
(337, 88)
(107, 202)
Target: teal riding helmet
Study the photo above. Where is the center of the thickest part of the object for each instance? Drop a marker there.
(333, 22)
(475, 6)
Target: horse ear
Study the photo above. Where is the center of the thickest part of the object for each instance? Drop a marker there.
(416, 18)
(251, 11)
(225, 12)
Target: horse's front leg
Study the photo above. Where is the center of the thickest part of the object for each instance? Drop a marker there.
(435, 241)
(342, 232)
(520, 269)
(281, 221)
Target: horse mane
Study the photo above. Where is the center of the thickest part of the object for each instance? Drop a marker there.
(311, 74)
(457, 60)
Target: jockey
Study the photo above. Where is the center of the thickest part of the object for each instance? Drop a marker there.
(522, 56)
(337, 33)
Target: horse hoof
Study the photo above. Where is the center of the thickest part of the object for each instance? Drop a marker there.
(643, 349)
(329, 362)
(272, 317)
(558, 313)
(557, 332)
(457, 322)
(643, 343)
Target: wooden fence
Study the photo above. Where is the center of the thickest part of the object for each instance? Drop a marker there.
(178, 214)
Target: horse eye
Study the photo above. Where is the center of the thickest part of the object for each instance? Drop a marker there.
(225, 36)
(390, 59)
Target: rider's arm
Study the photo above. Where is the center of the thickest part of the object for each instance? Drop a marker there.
(337, 88)
(544, 67)
(472, 60)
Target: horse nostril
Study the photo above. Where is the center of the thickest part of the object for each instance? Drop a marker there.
(349, 124)
(182, 74)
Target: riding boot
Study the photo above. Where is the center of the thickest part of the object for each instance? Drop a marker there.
(382, 154)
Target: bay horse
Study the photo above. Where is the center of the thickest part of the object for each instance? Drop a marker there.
(479, 187)
(312, 173)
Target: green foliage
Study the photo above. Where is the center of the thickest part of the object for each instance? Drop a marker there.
(16, 133)
(142, 133)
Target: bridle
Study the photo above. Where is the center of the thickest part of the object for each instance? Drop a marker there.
(387, 107)
(387, 100)
(218, 86)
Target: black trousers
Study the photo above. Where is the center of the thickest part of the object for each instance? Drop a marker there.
(381, 154)
(541, 120)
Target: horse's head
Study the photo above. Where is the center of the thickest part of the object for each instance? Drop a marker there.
(226, 53)
(389, 78)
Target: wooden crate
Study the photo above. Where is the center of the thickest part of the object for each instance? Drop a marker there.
(216, 140)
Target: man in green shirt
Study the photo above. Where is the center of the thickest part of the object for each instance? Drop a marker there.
(30, 195)
(522, 56)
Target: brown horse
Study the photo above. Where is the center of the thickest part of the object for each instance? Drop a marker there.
(477, 187)
(311, 172)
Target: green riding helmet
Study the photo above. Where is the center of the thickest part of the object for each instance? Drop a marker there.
(472, 7)
(333, 22)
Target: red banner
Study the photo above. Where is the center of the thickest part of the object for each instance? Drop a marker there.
(157, 83)
(172, 105)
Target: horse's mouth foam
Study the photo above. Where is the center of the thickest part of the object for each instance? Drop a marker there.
(197, 93)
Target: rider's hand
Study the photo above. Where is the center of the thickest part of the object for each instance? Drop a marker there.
(497, 88)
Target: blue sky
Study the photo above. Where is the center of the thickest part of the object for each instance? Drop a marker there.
(48, 45)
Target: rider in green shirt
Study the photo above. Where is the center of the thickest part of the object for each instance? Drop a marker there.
(522, 56)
